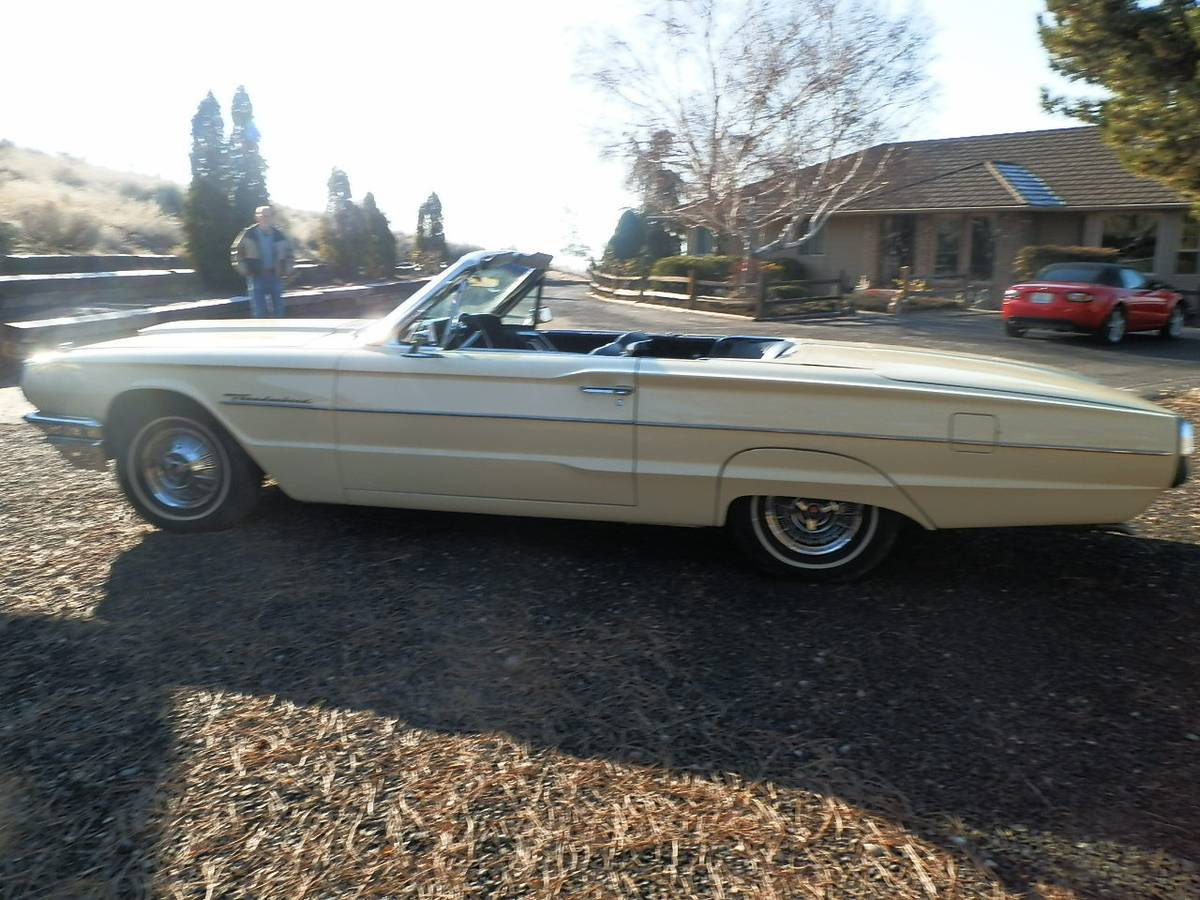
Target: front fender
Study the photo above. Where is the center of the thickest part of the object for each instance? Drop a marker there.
(785, 472)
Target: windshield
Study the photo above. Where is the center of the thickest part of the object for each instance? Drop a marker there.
(1079, 274)
(481, 282)
(483, 291)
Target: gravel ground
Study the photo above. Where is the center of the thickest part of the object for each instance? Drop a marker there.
(337, 702)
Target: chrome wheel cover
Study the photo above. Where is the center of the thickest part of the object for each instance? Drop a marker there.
(811, 527)
(179, 467)
(1175, 323)
(1115, 327)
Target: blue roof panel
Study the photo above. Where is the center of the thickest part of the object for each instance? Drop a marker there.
(1028, 186)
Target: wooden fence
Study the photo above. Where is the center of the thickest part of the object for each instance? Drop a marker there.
(816, 296)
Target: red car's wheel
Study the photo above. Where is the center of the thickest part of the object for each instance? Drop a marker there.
(1113, 329)
(1174, 326)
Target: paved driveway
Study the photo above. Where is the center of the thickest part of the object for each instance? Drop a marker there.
(1144, 363)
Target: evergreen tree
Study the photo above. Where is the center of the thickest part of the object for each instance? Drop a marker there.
(1146, 58)
(208, 222)
(629, 237)
(430, 239)
(247, 169)
(342, 235)
(659, 242)
(380, 256)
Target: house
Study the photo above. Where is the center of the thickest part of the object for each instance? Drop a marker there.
(964, 207)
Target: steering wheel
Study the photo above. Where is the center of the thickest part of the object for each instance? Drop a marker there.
(466, 331)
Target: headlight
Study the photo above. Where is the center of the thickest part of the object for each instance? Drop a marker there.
(1187, 438)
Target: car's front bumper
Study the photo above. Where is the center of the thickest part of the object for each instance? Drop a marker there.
(80, 440)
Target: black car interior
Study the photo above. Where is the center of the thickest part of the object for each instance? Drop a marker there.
(484, 331)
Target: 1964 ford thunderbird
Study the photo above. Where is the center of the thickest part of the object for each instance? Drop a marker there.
(811, 452)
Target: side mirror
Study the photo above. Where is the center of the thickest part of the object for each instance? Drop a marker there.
(418, 340)
(544, 315)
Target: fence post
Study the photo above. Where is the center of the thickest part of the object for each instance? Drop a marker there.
(691, 302)
(645, 283)
(762, 297)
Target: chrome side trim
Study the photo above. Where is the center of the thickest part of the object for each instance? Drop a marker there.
(505, 416)
(285, 404)
(805, 432)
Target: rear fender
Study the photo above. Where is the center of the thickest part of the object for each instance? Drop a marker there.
(785, 472)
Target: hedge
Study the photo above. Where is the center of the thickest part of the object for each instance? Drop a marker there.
(707, 268)
(784, 268)
(1031, 260)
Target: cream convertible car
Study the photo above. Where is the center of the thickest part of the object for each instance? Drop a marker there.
(811, 452)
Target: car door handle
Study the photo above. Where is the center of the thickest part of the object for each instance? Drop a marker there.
(619, 391)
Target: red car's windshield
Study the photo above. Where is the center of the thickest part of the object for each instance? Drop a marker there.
(1081, 274)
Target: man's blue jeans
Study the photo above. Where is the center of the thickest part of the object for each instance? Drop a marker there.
(266, 296)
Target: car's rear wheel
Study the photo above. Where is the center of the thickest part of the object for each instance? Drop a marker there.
(183, 472)
(1014, 330)
(1113, 329)
(1174, 325)
(813, 539)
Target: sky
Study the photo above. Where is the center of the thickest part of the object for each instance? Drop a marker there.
(481, 102)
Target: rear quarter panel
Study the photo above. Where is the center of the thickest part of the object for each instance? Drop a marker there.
(1014, 460)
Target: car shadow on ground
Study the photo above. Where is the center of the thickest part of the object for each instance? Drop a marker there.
(981, 680)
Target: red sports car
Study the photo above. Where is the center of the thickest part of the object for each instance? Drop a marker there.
(1103, 299)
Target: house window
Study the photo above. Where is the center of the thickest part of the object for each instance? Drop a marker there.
(983, 248)
(947, 247)
(1134, 237)
(897, 240)
(702, 238)
(1187, 261)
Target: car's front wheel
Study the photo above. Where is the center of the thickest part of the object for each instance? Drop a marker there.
(182, 472)
(1174, 324)
(814, 539)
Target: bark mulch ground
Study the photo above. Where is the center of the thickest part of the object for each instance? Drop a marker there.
(337, 702)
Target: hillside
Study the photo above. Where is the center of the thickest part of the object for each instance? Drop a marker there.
(56, 203)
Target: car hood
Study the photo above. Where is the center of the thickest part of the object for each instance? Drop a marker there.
(234, 334)
(964, 370)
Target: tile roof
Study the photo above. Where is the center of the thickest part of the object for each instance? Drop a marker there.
(1062, 167)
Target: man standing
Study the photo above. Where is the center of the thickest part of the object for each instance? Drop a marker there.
(264, 255)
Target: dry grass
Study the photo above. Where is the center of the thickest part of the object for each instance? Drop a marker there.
(342, 703)
(43, 194)
(53, 199)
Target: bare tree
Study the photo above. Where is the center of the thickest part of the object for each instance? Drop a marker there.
(762, 109)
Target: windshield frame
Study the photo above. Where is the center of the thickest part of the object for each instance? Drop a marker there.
(390, 327)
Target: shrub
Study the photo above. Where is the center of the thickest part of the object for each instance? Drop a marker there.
(785, 268)
(707, 268)
(169, 198)
(1031, 260)
(68, 176)
(48, 229)
(797, 291)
